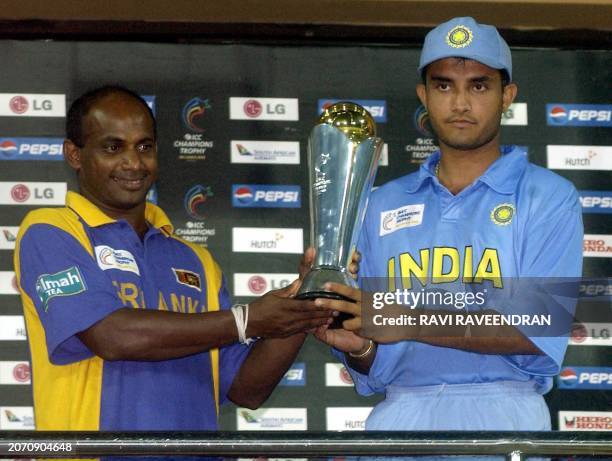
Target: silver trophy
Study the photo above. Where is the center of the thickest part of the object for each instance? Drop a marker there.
(343, 154)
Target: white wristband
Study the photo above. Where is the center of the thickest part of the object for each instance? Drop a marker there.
(241, 316)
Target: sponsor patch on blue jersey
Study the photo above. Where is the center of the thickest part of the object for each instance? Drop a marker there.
(64, 283)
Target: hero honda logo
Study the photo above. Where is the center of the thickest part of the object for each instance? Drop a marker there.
(376, 107)
(597, 245)
(32, 105)
(579, 114)
(264, 109)
(31, 149)
(585, 378)
(266, 196)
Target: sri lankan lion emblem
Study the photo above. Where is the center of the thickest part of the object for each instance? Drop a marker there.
(459, 37)
(502, 214)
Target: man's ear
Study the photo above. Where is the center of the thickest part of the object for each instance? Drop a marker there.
(72, 154)
(421, 92)
(510, 91)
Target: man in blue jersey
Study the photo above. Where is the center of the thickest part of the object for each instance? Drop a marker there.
(131, 327)
(478, 214)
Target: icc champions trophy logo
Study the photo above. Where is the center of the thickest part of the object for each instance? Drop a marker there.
(193, 112)
(195, 198)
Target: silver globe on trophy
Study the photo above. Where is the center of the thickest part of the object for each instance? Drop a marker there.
(343, 155)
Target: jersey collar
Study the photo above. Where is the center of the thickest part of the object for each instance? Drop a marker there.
(502, 176)
(94, 217)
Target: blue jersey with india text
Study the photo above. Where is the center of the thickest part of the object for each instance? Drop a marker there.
(515, 221)
(75, 266)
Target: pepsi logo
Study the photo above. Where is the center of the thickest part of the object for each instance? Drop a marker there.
(253, 108)
(568, 377)
(8, 147)
(558, 114)
(19, 104)
(20, 193)
(21, 372)
(257, 284)
(244, 194)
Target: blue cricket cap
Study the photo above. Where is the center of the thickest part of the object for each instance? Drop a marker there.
(465, 38)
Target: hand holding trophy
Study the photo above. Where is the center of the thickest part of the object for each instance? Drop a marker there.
(343, 154)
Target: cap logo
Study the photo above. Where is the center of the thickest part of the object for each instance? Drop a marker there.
(459, 37)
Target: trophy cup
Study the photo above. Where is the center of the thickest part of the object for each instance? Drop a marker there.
(343, 153)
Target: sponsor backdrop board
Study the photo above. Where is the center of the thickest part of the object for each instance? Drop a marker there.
(233, 121)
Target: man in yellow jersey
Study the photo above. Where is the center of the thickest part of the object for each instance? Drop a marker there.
(131, 327)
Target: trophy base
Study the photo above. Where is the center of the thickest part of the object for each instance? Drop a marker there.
(312, 288)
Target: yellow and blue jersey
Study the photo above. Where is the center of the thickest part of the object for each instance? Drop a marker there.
(517, 221)
(75, 266)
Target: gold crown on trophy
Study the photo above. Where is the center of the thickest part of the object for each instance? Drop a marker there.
(350, 118)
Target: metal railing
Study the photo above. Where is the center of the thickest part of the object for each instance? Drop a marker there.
(514, 446)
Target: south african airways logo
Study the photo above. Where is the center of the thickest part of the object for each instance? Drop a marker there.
(195, 198)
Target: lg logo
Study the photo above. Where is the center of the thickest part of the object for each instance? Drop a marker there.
(254, 108)
(20, 193)
(20, 105)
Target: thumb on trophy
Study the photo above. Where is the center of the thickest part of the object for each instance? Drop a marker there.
(306, 261)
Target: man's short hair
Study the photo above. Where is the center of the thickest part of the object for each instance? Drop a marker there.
(83, 104)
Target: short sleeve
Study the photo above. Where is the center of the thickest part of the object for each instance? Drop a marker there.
(551, 257)
(69, 292)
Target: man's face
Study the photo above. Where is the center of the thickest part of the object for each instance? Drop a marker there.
(118, 162)
(465, 100)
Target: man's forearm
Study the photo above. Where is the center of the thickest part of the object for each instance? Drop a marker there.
(262, 370)
(130, 334)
